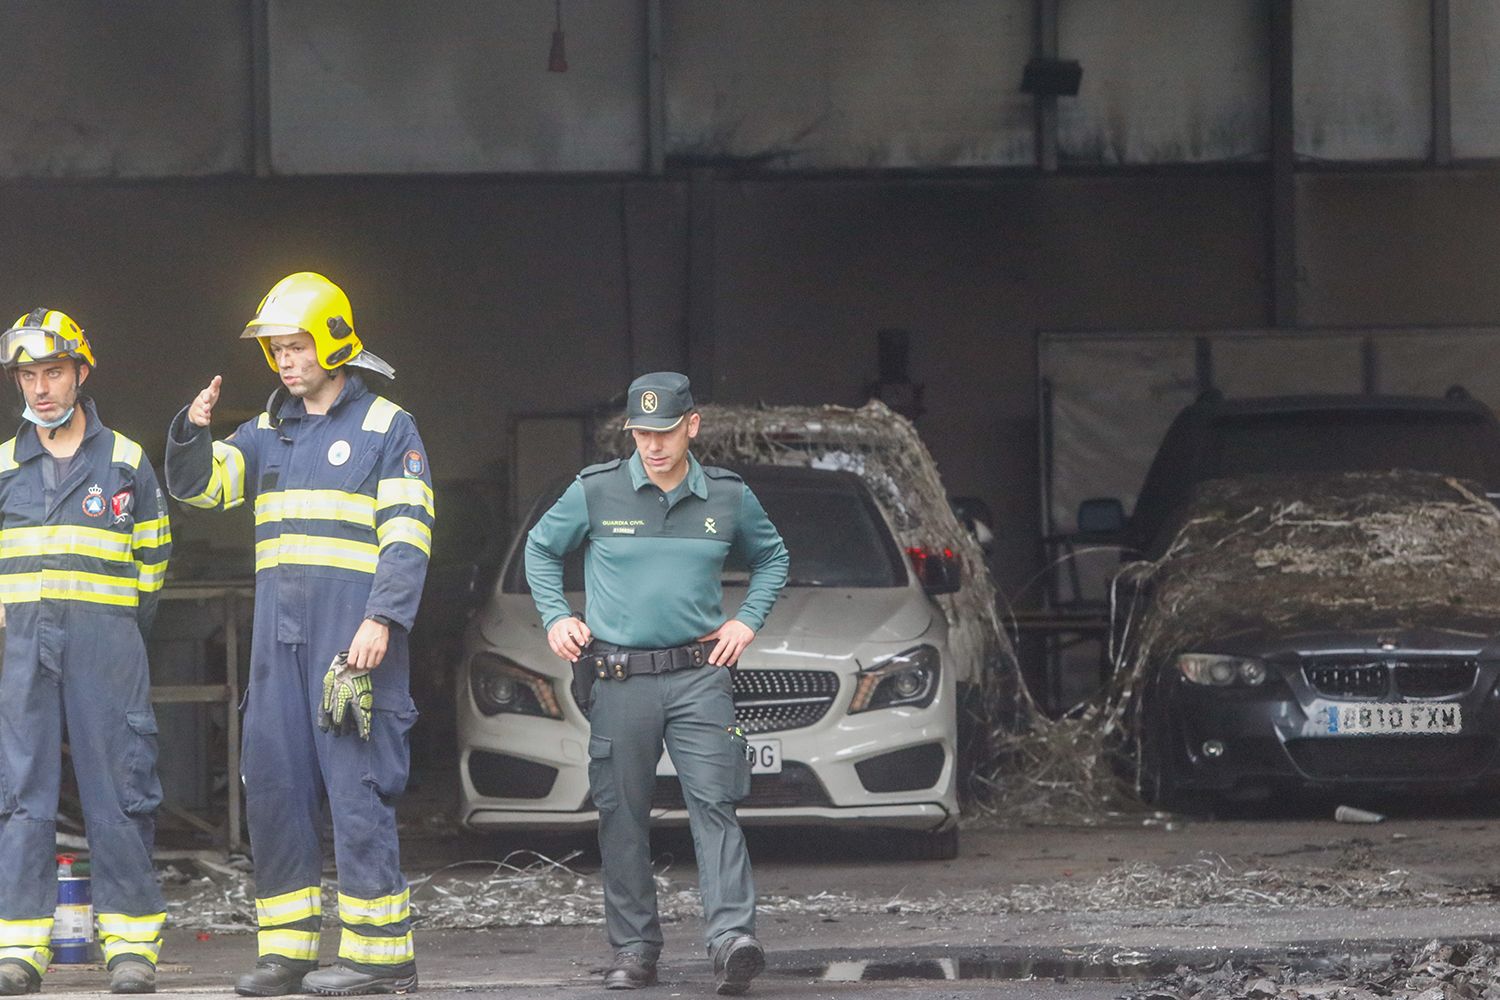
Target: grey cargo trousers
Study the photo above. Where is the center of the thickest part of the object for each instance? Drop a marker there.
(692, 710)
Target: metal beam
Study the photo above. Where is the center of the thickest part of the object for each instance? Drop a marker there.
(700, 283)
(260, 90)
(1044, 23)
(1283, 236)
(656, 111)
(1442, 84)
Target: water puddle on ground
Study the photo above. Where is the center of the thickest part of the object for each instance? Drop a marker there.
(870, 970)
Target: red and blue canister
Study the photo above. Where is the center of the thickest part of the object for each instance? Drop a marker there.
(73, 921)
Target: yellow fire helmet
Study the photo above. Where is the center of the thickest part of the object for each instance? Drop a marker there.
(309, 303)
(43, 334)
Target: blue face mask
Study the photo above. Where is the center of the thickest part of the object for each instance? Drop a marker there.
(30, 414)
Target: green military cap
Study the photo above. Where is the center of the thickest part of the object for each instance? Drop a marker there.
(657, 402)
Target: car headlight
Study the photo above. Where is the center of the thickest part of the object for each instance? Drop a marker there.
(499, 686)
(909, 678)
(1214, 670)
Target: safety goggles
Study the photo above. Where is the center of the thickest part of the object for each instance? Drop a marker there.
(34, 345)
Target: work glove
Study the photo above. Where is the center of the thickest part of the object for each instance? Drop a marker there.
(348, 699)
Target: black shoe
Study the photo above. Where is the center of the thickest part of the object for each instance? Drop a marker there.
(131, 975)
(274, 977)
(737, 961)
(343, 981)
(631, 971)
(17, 978)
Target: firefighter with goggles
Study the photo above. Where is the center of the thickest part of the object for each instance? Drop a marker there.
(342, 494)
(84, 541)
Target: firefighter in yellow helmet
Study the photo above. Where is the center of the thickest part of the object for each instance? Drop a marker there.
(342, 493)
(84, 541)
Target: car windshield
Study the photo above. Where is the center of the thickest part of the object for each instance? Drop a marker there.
(832, 530)
(1459, 444)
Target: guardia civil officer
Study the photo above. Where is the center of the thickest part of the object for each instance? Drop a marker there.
(84, 541)
(658, 527)
(339, 482)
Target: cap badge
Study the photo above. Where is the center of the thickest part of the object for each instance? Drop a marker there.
(649, 401)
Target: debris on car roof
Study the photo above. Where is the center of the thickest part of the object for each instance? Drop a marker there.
(1333, 552)
(1351, 545)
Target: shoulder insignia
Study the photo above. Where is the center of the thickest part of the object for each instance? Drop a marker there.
(714, 472)
(263, 422)
(8, 461)
(126, 451)
(594, 470)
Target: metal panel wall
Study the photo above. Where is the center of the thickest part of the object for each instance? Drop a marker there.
(389, 86)
(832, 84)
(125, 89)
(1475, 37)
(1165, 81)
(1363, 72)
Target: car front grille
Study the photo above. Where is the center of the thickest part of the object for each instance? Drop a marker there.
(1374, 758)
(766, 701)
(796, 785)
(1422, 677)
(1348, 680)
(1435, 678)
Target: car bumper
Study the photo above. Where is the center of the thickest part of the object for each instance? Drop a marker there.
(827, 774)
(1280, 738)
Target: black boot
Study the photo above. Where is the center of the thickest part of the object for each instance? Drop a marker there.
(631, 971)
(17, 978)
(132, 975)
(345, 981)
(737, 961)
(274, 977)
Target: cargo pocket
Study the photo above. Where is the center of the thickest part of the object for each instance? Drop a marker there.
(388, 764)
(140, 792)
(739, 781)
(602, 773)
(7, 797)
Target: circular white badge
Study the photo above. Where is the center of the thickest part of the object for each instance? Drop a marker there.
(338, 453)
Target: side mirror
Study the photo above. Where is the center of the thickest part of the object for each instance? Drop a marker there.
(940, 570)
(1101, 516)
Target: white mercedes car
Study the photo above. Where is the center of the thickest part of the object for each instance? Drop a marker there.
(847, 693)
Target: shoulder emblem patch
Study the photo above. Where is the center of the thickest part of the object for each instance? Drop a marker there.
(413, 464)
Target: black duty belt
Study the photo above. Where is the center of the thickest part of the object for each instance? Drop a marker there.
(616, 663)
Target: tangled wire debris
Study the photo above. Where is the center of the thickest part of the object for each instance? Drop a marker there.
(1462, 970)
(526, 889)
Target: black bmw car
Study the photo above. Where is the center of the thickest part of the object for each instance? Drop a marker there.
(1316, 602)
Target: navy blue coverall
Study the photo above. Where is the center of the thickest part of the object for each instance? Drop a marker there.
(343, 531)
(80, 578)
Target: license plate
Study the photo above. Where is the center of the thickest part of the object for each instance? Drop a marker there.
(1387, 718)
(764, 757)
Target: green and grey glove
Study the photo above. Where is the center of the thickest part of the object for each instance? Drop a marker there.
(348, 699)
